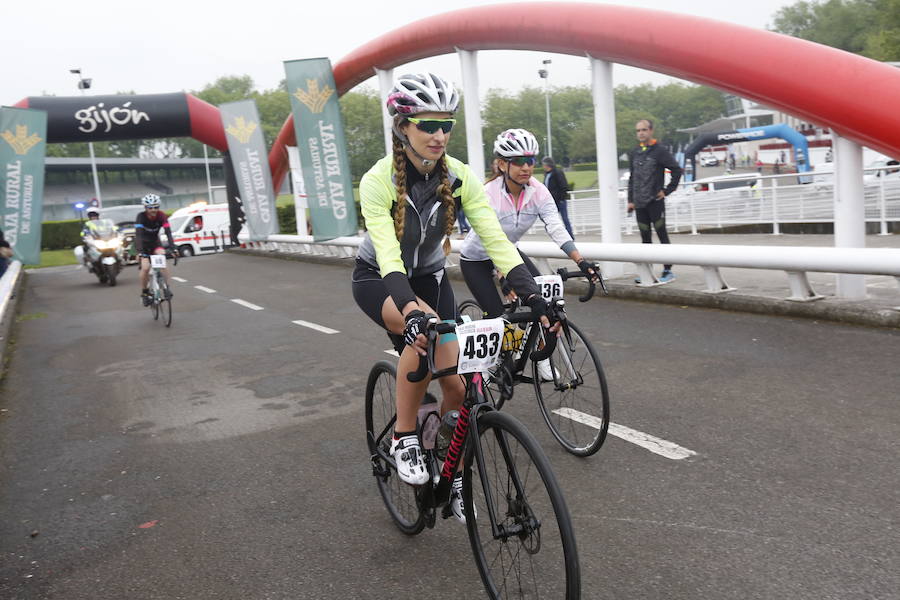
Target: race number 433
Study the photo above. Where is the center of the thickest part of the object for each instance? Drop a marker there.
(479, 344)
(551, 286)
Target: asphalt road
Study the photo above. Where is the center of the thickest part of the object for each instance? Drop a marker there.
(225, 457)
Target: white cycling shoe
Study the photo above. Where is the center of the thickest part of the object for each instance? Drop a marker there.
(546, 370)
(456, 500)
(410, 462)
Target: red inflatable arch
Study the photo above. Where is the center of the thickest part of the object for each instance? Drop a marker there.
(855, 96)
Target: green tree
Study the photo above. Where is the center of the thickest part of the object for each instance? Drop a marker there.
(361, 113)
(867, 27)
(884, 44)
(843, 24)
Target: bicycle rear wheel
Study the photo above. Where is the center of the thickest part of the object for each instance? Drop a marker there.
(399, 497)
(471, 309)
(533, 553)
(575, 403)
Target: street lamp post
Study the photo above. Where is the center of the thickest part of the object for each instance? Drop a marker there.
(84, 84)
(545, 75)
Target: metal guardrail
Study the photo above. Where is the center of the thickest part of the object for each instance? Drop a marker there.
(793, 260)
(776, 200)
(8, 285)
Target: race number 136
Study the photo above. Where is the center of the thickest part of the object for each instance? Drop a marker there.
(551, 286)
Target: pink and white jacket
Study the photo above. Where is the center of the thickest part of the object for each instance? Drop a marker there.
(517, 215)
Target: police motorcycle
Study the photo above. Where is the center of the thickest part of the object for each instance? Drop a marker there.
(105, 250)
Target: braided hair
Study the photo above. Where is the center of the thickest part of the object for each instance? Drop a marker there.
(444, 191)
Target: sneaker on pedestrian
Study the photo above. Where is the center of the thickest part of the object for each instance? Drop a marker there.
(410, 462)
(546, 371)
(456, 500)
(667, 276)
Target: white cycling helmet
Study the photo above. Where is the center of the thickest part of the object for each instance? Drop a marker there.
(516, 142)
(150, 201)
(92, 211)
(415, 93)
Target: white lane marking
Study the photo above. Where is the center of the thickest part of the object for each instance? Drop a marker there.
(644, 440)
(247, 304)
(392, 353)
(205, 289)
(179, 279)
(316, 327)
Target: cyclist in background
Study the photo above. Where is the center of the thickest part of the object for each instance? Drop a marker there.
(408, 202)
(519, 200)
(147, 241)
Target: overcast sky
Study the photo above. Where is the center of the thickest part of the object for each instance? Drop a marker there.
(167, 46)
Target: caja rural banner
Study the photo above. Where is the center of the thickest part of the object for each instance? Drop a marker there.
(23, 144)
(250, 162)
(323, 152)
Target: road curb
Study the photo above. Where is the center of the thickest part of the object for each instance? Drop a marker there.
(8, 318)
(826, 309)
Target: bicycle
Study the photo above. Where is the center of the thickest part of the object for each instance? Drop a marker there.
(515, 509)
(571, 388)
(160, 296)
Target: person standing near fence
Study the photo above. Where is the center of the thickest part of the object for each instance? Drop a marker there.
(647, 190)
(555, 181)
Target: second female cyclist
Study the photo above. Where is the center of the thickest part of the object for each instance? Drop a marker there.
(519, 201)
(408, 202)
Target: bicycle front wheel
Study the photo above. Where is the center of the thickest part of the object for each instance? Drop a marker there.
(165, 309)
(521, 533)
(572, 394)
(399, 497)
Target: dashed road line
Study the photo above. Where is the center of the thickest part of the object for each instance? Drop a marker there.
(644, 440)
(246, 304)
(179, 279)
(392, 352)
(205, 289)
(327, 330)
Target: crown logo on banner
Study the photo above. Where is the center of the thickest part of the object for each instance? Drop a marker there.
(21, 142)
(241, 129)
(313, 97)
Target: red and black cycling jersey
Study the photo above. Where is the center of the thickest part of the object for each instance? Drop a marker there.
(146, 232)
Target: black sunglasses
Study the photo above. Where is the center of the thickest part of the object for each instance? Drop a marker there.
(431, 126)
(521, 161)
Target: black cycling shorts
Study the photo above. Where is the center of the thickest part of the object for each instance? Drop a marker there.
(370, 293)
(479, 276)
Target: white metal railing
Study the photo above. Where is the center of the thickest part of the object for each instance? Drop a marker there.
(7, 285)
(793, 260)
(776, 200)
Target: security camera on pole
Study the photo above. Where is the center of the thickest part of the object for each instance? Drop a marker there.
(85, 84)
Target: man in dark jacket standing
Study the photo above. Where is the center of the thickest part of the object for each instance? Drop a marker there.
(558, 185)
(647, 190)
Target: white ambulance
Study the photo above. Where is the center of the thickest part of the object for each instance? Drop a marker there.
(201, 228)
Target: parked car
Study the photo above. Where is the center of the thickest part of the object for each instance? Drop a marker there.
(708, 160)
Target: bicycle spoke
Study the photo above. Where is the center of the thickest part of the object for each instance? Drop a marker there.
(533, 554)
(579, 385)
(399, 498)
